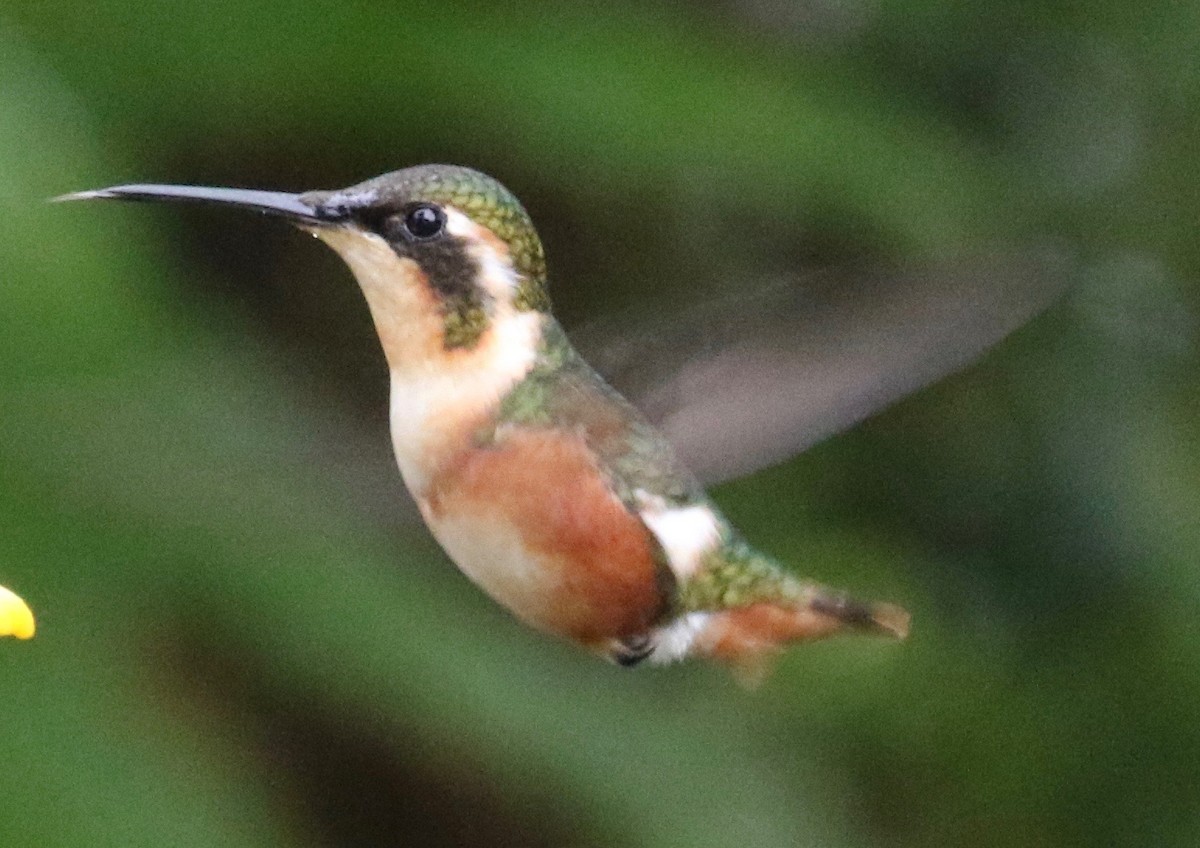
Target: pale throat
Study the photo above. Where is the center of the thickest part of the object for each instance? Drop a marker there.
(439, 396)
(437, 410)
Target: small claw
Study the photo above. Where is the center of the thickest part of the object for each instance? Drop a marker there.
(16, 618)
(632, 650)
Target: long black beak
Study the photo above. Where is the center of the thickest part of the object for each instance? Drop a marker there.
(280, 203)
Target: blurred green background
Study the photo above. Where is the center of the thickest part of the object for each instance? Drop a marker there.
(246, 640)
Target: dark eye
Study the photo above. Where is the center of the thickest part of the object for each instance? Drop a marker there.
(425, 221)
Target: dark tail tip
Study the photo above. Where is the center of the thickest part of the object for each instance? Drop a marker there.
(887, 619)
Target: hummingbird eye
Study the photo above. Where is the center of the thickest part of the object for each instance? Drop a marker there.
(424, 221)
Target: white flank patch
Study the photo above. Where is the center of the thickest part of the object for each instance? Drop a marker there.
(674, 641)
(686, 533)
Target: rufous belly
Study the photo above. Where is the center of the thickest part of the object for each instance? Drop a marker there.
(534, 523)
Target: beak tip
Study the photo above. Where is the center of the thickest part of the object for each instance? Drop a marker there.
(268, 202)
(81, 195)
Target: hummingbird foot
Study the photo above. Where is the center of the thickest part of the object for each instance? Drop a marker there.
(632, 650)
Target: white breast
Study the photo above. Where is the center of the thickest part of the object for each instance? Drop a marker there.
(490, 552)
(430, 399)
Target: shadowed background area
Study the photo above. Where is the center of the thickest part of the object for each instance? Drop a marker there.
(245, 639)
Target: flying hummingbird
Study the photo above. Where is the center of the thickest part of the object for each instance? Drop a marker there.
(545, 486)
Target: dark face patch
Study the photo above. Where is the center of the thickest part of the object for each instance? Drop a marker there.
(445, 261)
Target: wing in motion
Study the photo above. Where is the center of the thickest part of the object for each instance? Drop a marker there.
(745, 382)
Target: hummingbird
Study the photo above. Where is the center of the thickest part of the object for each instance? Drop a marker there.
(542, 483)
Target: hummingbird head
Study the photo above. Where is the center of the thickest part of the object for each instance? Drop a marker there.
(445, 255)
(440, 246)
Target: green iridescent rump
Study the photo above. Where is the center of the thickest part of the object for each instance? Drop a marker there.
(734, 575)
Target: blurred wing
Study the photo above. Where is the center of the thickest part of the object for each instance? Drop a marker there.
(745, 382)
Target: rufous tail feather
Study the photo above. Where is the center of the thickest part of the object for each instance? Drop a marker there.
(748, 638)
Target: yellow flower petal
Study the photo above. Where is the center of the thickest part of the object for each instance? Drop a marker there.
(16, 618)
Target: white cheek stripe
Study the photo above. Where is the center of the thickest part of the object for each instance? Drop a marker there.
(458, 224)
(685, 533)
(496, 272)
